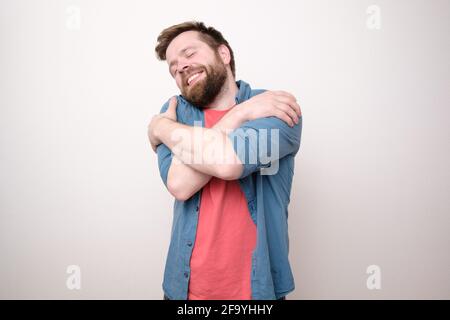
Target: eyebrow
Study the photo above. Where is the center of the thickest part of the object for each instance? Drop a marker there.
(181, 52)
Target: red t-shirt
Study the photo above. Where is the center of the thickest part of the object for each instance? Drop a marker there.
(221, 260)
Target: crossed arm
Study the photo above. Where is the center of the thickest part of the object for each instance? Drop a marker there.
(200, 153)
(188, 172)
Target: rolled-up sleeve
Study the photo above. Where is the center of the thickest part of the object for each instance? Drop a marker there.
(261, 142)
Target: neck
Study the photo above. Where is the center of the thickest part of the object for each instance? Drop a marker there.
(226, 97)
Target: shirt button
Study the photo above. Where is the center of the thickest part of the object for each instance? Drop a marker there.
(186, 274)
(196, 209)
(189, 243)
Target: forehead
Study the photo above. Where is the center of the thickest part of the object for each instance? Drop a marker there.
(182, 41)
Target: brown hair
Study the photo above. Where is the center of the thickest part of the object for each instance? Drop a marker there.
(209, 35)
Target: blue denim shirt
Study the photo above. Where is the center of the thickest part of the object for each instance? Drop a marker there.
(267, 195)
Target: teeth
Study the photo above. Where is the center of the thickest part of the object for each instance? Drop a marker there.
(192, 78)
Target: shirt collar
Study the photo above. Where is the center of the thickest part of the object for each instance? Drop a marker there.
(244, 91)
(242, 94)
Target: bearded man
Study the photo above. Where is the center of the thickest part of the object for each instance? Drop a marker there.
(226, 153)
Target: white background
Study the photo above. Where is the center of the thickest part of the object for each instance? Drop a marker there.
(80, 186)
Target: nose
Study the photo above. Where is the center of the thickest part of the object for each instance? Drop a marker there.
(184, 66)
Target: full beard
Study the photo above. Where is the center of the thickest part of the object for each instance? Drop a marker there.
(205, 90)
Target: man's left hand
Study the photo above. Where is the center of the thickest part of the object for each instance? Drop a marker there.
(155, 123)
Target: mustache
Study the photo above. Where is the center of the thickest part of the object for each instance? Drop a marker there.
(191, 72)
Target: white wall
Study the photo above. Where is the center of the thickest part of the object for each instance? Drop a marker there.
(79, 184)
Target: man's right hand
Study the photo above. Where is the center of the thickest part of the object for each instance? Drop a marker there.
(280, 104)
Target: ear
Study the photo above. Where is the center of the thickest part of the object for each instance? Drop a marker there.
(224, 53)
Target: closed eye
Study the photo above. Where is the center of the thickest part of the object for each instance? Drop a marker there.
(188, 55)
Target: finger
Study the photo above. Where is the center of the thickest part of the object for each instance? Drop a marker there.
(291, 103)
(284, 95)
(173, 104)
(288, 110)
(296, 108)
(299, 113)
(284, 116)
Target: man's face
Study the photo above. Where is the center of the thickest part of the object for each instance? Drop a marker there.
(199, 71)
